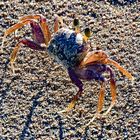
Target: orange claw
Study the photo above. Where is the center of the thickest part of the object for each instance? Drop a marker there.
(101, 57)
(43, 24)
(93, 57)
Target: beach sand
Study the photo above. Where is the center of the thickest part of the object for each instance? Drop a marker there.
(31, 98)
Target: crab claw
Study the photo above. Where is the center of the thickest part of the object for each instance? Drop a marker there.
(101, 57)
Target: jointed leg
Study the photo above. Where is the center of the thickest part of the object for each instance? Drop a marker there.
(101, 57)
(28, 43)
(37, 32)
(36, 17)
(112, 90)
(13, 29)
(79, 84)
(26, 20)
(57, 23)
(43, 24)
(101, 98)
(124, 71)
(100, 103)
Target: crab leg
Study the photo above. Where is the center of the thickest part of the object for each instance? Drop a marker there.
(101, 57)
(79, 84)
(58, 20)
(13, 29)
(124, 71)
(112, 89)
(31, 44)
(43, 24)
(100, 103)
(93, 57)
(101, 98)
(31, 17)
(45, 30)
(38, 35)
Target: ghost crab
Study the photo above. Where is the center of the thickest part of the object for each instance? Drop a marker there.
(71, 49)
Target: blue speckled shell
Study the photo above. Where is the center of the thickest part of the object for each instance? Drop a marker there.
(65, 49)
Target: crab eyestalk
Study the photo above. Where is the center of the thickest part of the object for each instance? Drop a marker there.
(87, 34)
(76, 25)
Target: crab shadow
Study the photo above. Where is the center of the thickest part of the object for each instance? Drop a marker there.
(121, 2)
(35, 103)
(8, 85)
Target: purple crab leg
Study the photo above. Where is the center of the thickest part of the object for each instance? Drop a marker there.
(43, 24)
(27, 43)
(38, 35)
(79, 84)
(91, 72)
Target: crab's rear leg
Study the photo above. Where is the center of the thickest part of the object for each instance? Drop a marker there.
(57, 23)
(79, 84)
(27, 43)
(38, 16)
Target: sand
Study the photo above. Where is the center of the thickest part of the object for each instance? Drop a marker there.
(31, 98)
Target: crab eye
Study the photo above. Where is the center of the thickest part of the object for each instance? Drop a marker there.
(75, 22)
(87, 32)
(76, 25)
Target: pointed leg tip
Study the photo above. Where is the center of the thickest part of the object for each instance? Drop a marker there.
(95, 116)
(68, 109)
(1, 50)
(63, 112)
(12, 68)
(133, 79)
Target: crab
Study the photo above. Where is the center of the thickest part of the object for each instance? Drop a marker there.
(70, 47)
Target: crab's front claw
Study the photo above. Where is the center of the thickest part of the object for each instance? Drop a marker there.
(93, 57)
(102, 57)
